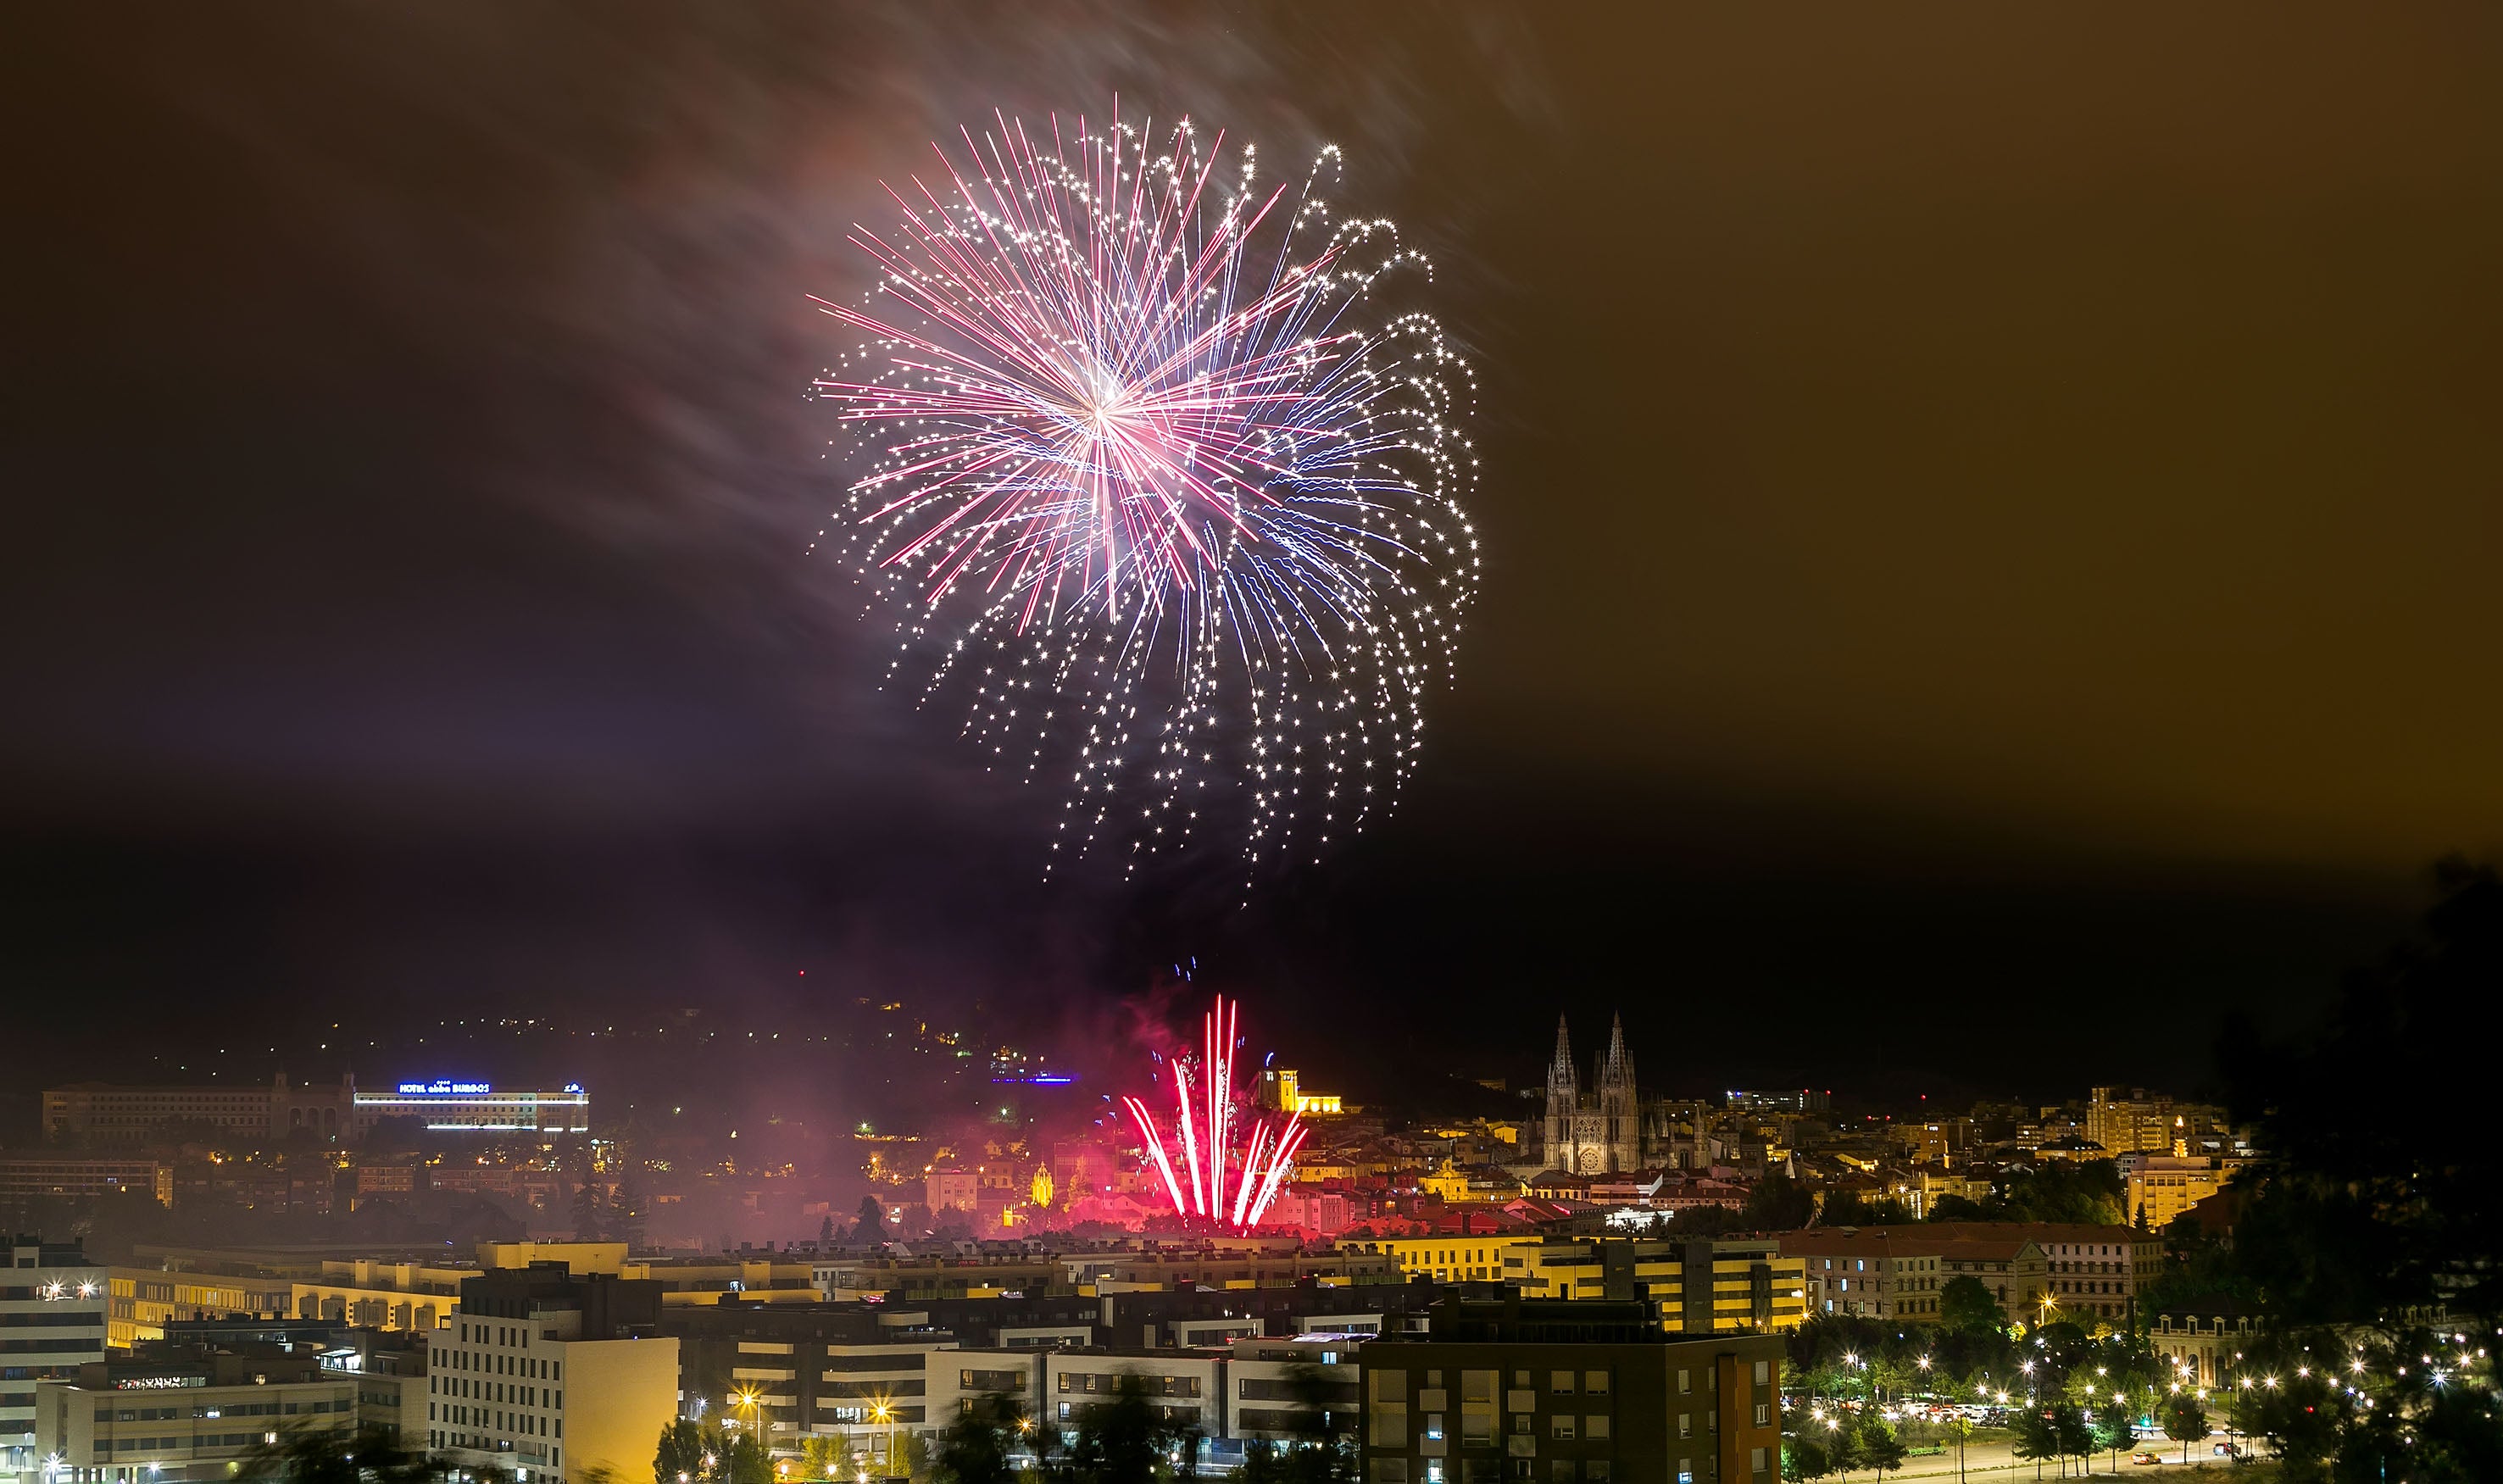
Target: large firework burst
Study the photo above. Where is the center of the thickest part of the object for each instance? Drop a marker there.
(1156, 475)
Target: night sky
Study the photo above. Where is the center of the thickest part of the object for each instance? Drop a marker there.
(1992, 522)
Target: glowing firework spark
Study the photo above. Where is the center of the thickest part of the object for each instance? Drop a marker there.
(1239, 1184)
(1151, 469)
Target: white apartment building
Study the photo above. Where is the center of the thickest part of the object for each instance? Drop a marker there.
(1262, 1392)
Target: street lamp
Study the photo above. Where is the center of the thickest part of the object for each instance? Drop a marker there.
(884, 1413)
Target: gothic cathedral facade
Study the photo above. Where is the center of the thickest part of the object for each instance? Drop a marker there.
(1598, 1133)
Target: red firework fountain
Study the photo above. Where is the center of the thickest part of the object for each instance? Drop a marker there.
(1228, 1187)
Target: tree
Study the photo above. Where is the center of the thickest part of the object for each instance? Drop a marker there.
(2034, 1438)
(746, 1461)
(1966, 1304)
(633, 1210)
(2185, 1421)
(1957, 1430)
(367, 1455)
(1321, 1417)
(1849, 1208)
(1700, 1222)
(2354, 1220)
(589, 1208)
(870, 1229)
(1879, 1447)
(825, 1456)
(2116, 1432)
(1842, 1448)
(1119, 1441)
(826, 1228)
(1803, 1458)
(1778, 1204)
(914, 1446)
(2076, 1437)
(680, 1457)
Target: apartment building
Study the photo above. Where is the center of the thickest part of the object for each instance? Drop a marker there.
(1272, 1385)
(2090, 1274)
(1448, 1258)
(1879, 1272)
(1570, 1392)
(1706, 1285)
(551, 1375)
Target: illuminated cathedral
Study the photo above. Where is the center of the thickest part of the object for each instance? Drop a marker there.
(1598, 1133)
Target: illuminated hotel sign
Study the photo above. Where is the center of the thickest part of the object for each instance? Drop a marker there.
(476, 1107)
(156, 1383)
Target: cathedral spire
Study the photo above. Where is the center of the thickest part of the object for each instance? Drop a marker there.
(1560, 1069)
(1618, 1068)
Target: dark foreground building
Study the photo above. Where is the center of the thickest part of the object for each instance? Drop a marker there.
(1570, 1392)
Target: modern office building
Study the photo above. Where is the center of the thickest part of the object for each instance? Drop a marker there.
(551, 1375)
(53, 1307)
(1569, 1393)
(860, 1371)
(145, 1302)
(173, 1413)
(389, 1371)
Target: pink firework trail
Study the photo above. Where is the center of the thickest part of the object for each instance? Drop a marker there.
(1229, 1186)
(1144, 460)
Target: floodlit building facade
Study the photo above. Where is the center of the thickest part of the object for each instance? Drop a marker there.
(551, 1374)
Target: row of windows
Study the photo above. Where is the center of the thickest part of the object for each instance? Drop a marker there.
(496, 1390)
(480, 1417)
(1562, 1471)
(535, 1367)
(103, 1446)
(222, 1410)
(447, 1439)
(1155, 1386)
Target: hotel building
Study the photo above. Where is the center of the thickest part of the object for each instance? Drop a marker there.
(102, 1113)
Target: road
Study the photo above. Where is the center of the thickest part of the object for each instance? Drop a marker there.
(1997, 1464)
